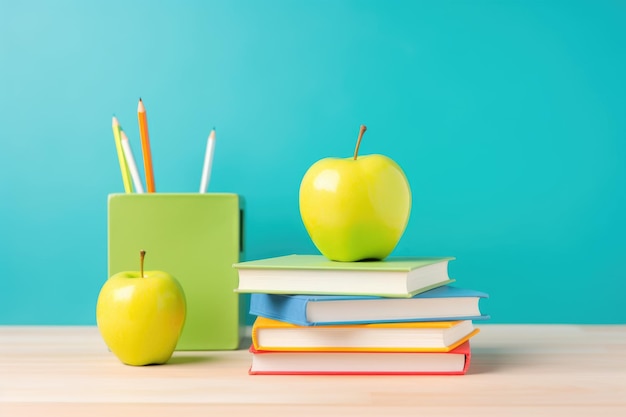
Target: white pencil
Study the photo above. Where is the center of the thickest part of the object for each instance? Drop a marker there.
(132, 166)
(208, 162)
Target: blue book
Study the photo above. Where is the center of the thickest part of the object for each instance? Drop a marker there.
(439, 304)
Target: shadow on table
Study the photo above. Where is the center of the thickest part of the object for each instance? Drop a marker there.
(496, 359)
(190, 359)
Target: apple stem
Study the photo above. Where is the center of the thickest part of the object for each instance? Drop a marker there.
(358, 141)
(142, 255)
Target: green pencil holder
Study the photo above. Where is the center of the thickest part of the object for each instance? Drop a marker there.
(196, 238)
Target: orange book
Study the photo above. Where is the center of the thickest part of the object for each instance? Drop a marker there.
(441, 336)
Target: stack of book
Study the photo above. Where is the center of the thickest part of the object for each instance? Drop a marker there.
(396, 316)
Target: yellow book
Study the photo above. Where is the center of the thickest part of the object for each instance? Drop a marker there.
(442, 336)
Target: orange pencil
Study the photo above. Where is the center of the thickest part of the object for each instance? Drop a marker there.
(145, 146)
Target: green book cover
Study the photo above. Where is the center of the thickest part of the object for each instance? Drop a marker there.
(315, 274)
(322, 263)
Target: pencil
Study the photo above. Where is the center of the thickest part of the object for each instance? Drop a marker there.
(208, 162)
(130, 160)
(145, 146)
(128, 187)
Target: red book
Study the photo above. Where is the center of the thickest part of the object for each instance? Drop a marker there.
(454, 362)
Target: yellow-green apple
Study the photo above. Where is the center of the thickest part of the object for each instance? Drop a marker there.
(355, 208)
(140, 315)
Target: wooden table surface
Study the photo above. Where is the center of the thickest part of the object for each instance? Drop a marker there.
(526, 370)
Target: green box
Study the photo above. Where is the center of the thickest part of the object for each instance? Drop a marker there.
(196, 238)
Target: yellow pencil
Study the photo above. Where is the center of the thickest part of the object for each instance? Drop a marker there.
(117, 135)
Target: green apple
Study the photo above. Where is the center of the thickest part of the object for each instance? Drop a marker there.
(355, 208)
(140, 315)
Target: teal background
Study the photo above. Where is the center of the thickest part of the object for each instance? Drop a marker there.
(508, 117)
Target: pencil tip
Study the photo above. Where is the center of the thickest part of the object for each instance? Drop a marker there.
(139, 98)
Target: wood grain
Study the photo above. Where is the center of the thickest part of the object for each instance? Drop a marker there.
(538, 370)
